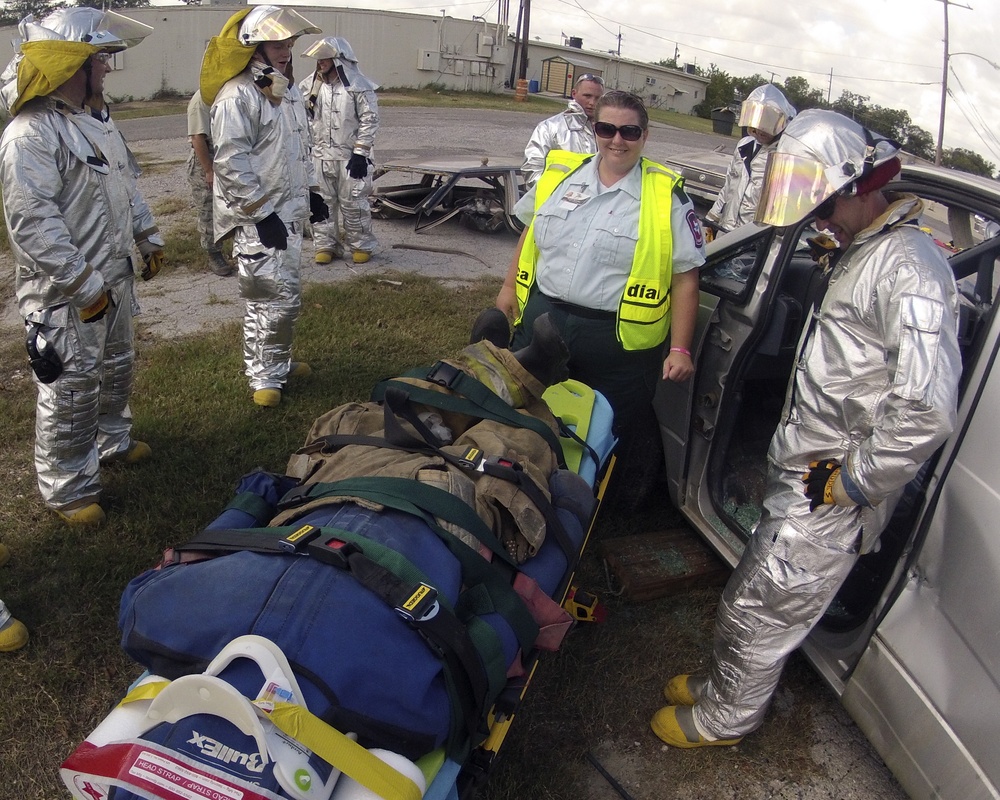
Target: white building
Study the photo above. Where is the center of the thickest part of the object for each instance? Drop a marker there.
(395, 49)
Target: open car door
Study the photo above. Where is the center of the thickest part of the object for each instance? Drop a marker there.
(910, 643)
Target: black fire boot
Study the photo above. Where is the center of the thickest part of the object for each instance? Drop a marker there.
(547, 356)
(492, 326)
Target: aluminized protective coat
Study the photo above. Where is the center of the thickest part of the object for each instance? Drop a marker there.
(344, 121)
(568, 130)
(875, 388)
(736, 202)
(767, 110)
(73, 212)
(262, 166)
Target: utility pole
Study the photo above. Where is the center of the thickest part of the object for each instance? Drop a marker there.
(938, 151)
(829, 87)
(522, 70)
(619, 42)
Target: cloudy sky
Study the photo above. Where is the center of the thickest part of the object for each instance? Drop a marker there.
(891, 51)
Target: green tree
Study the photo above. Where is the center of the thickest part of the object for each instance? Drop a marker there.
(801, 95)
(918, 142)
(14, 11)
(967, 161)
(721, 91)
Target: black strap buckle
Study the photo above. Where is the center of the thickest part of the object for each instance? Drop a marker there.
(333, 551)
(501, 467)
(299, 538)
(472, 458)
(444, 374)
(420, 606)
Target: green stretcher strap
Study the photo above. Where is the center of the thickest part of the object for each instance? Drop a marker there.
(428, 502)
(476, 400)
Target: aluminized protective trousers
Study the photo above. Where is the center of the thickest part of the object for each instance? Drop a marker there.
(347, 198)
(83, 418)
(270, 285)
(791, 570)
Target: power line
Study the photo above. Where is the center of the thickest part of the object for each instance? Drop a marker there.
(674, 34)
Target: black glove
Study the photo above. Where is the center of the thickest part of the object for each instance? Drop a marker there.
(820, 480)
(272, 232)
(318, 209)
(357, 167)
(96, 310)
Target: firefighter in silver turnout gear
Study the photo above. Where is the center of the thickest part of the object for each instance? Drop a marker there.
(872, 397)
(343, 122)
(572, 129)
(74, 214)
(764, 114)
(263, 180)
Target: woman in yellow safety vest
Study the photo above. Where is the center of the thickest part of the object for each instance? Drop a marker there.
(611, 251)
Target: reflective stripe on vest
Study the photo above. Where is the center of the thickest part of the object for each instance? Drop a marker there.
(643, 317)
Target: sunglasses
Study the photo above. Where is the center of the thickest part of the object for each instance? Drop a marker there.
(589, 77)
(630, 133)
(825, 209)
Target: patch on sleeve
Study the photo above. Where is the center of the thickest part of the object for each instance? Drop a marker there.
(695, 225)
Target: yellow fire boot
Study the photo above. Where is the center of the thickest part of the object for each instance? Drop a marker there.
(324, 257)
(90, 514)
(299, 369)
(361, 257)
(267, 397)
(13, 636)
(675, 726)
(684, 690)
(137, 451)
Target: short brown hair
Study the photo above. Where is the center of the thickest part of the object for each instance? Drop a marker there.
(616, 98)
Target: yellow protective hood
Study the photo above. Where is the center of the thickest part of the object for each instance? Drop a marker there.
(225, 57)
(45, 66)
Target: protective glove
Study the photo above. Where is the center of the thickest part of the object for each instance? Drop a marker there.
(152, 264)
(151, 252)
(318, 209)
(824, 485)
(272, 232)
(96, 310)
(357, 166)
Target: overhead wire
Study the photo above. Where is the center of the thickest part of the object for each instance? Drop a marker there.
(980, 126)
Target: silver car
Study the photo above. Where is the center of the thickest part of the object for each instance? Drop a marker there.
(911, 645)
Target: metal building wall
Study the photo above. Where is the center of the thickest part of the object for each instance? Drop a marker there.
(394, 49)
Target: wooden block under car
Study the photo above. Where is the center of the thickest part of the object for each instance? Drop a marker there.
(651, 565)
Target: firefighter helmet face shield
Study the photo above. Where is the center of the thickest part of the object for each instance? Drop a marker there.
(792, 188)
(764, 118)
(332, 47)
(273, 24)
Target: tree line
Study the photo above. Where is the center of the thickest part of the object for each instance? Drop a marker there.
(725, 90)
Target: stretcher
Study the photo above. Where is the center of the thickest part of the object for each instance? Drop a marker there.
(196, 730)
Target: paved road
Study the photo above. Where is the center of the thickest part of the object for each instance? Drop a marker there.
(421, 132)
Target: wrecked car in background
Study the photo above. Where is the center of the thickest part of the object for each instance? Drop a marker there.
(910, 645)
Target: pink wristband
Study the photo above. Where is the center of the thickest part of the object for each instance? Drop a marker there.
(683, 350)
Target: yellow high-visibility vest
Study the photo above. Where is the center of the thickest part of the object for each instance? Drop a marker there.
(643, 315)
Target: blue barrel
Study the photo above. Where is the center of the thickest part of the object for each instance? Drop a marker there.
(533, 86)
